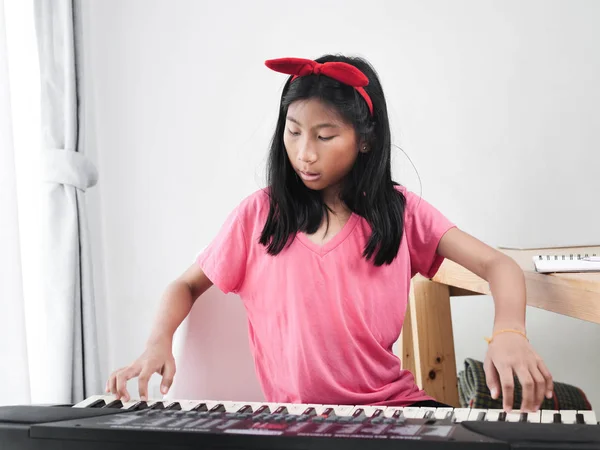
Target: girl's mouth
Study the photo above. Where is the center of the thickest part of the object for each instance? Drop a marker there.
(309, 176)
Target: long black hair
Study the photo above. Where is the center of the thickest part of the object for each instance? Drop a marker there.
(367, 190)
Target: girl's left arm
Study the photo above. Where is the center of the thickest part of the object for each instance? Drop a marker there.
(509, 353)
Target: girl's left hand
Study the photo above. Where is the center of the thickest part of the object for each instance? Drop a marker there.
(511, 353)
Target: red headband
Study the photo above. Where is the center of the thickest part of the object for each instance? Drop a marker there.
(340, 71)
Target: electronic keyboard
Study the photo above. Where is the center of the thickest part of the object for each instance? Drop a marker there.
(102, 422)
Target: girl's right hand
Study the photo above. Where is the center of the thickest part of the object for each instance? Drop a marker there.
(157, 358)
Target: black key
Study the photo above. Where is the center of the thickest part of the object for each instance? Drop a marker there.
(359, 413)
(377, 413)
(97, 404)
(281, 410)
(480, 417)
(158, 405)
(398, 414)
(200, 407)
(139, 406)
(175, 406)
(115, 404)
(217, 408)
(557, 418)
(329, 412)
(310, 411)
(502, 416)
(245, 409)
(449, 416)
(523, 417)
(579, 419)
(428, 414)
(263, 409)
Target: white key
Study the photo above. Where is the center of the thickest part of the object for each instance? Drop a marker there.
(567, 416)
(413, 412)
(475, 413)
(461, 414)
(88, 401)
(535, 417)
(297, 408)
(492, 415)
(513, 416)
(343, 410)
(589, 417)
(441, 413)
(548, 415)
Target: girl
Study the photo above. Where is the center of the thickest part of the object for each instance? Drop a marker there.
(323, 259)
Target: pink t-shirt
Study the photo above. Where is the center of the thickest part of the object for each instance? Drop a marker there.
(322, 320)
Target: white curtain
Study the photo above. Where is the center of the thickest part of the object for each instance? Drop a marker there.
(72, 362)
(14, 367)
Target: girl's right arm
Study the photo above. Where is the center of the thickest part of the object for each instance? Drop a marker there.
(176, 303)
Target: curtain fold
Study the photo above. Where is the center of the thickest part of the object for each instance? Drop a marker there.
(72, 361)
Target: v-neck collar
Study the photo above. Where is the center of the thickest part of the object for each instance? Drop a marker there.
(332, 243)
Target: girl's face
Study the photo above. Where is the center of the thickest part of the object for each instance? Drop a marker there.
(320, 146)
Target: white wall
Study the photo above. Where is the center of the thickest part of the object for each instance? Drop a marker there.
(494, 101)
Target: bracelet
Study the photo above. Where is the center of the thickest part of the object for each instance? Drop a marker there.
(508, 330)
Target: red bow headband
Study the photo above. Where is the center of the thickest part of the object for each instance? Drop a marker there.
(340, 71)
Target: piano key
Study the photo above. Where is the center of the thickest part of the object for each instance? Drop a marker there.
(534, 417)
(309, 411)
(94, 400)
(568, 416)
(548, 415)
(556, 418)
(413, 412)
(477, 414)
(513, 416)
(493, 415)
(218, 408)
(427, 412)
(461, 414)
(157, 405)
(343, 410)
(523, 417)
(589, 417)
(320, 408)
(579, 419)
(139, 406)
(391, 410)
(115, 404)
(442, 413)
(297, 409)
(281, 409)
(173, 406)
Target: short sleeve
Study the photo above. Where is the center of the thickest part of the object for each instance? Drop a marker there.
(424, 228)
(224, 259)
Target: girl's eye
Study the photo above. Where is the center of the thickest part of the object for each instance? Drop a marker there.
(326, 138)
(293, 133)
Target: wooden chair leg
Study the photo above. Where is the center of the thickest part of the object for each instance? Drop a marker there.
(427, 342)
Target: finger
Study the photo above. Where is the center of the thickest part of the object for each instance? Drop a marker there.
(540, 386)
(122, 378)
(168, 374)
(528, 388)
(112, 381)
(491, 378)
(143, 380)
(508, 387)
(548, 377)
